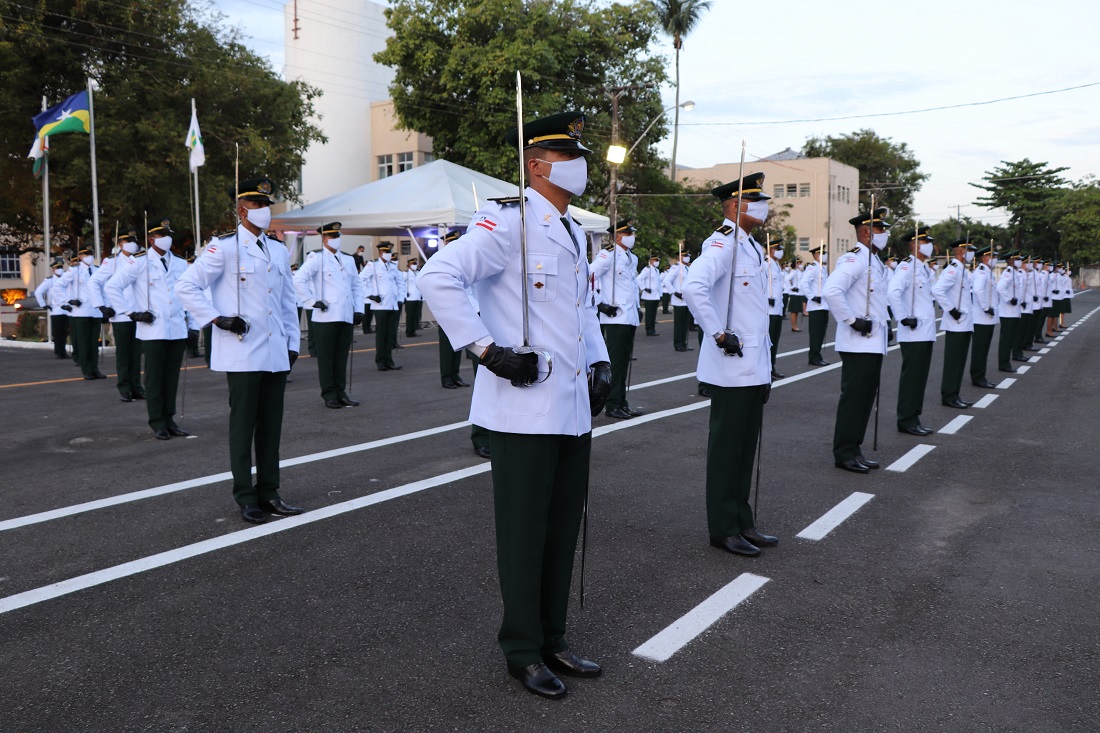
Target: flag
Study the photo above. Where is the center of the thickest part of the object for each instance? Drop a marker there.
(194, 142)
(72, 115)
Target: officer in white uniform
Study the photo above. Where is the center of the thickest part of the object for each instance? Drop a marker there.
(812, 285)
(1058, 296)
(796, 297)
(1010, 293)
(649, 284)
(775, 280)
(861, 330)
(450, 361)
(617, 303)
(84, 318)
(673, 283)
(1042, 290)
(540, 435)
(952, 291)
(910, 295)
(382, 285)
(257, 338)
(144, 291)
(985, 316)
(414, 300)
(127, 346)
(50, 295)
(1028, 303)
(734, 360)
(328, 283)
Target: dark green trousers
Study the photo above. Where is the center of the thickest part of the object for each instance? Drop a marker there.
(620, 348)
(539, 487)
(665, 299)
(413, 311)
(86, 344)
(735, 415)
(450, 361)
(479, 436)
(192, 343)
(955, 347)
(1040, 324)
(368, 318)
(162, 378)
(59, 327)
(127, 358)
(255, 417)
(385, 336)
(916, 360)
(979, 351)
(1024, 332)
(207, 342)
(333, 341)
(396, 323)
(311, 342)
(775, 330)
(1007, 343)
(819, 324)
(680, 319)
(650, 316)
(859, 377)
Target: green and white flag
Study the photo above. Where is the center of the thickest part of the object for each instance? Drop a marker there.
(194, 142)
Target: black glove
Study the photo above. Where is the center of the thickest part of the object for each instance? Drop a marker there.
(910, 321)
(357, 319)
(794, 290)
(989, 312)
(730, 343)
(1046, 299)
(1013, 302)
(520, 369)
(863, 325)
(67, 307)
(817, 300)
(107, 311)
(679, 295)
(77, 302)
(320, 305)
(1056, 292)
(375, 298)
(771, 302)
(956, 314)
(608, 310)
(293, 355)
(1035, 298)
(233, 324)
(599, 386)
(650, 291)
(890, 335)
(767, 392)
(142, 317)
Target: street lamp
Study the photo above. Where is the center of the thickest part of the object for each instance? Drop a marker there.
(617, 153)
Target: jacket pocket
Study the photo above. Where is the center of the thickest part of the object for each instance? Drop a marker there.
(542, 277)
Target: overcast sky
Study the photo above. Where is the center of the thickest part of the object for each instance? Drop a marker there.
(808, 59)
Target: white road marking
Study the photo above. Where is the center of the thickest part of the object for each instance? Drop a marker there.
(831, 519)
(1022, 369)
(1048, 348)
(1045, 351)
(955, 425)
(986, 401)
(674, 637)
(1006, 383)
(690, 375)
(1034, 359)
(915, 453)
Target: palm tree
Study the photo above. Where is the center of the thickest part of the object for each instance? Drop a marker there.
(678, 17)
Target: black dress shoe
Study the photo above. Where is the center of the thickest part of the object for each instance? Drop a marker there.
(916, 430)
(924, 430)
(619, 413)
(392, 367)
(138, 395)
(777, 375)
(1008, 371)
(633, 412)
(569, 663)
(253, 514)
(90, 377)
(398, 346)
(280, 507)
(966, 403)
(653, 334)
(1030, 348)
(459, 382)
(539, 680)
(1040, 341)
(162, 434)
(737, 544)
(483, 451)
(349, 402)
(819, 362)
(450, 385)
(126, 398)
(868, 462)
(99, 375)
(680, 348)
(704, 391)
(1024, 359)
(333, 404)
(760, 540)
(853, 465)
(177, 432)
(956, 403)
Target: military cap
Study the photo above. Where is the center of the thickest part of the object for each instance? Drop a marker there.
(57, 262)
(163, 226)
(413, 261)
(876, 217)
(190, 258)
(982, 252)
(816, 249)
(385, 247)
(964, 243)
(451, 236)
(255, 189)
(556, 132)
(128, 236)
(777, 242)
(921, 233)
(751, 188)
(74, 260)
(625, 226)
(331, 229)
(84, 251)
(1011, 255)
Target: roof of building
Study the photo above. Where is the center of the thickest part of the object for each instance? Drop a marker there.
(787, 154)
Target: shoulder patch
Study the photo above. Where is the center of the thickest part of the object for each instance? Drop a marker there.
(725, 229)
(506, 200)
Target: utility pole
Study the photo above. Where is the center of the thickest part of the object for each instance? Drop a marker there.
(616, 93)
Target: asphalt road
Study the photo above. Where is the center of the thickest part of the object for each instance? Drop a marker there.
(960, 597)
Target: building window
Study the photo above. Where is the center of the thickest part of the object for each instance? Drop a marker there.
(804, 190)
(406, 245)
(804, 244)
(404, 162)
(9, 265)
(385, 166)
(777, 190)
(429, 157)
(792, 190)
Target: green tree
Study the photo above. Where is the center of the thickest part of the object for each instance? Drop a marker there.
(979, 232)
(1076, 211)
(147, 60)
(887, 169)
(678, 18)
(1027, 191)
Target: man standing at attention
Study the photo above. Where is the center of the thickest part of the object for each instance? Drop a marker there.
(615, 279)
(649, 282)
(910, 296)
(812, 284)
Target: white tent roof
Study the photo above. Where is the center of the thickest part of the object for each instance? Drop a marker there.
(436, 194)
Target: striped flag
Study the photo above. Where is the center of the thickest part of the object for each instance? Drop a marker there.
(72, 115)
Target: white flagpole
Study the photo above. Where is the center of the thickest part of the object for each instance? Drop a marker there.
(46, 217)
(195, 171)
(95, 185)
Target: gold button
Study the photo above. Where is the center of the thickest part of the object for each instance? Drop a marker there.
(538, 266)
(578, 372)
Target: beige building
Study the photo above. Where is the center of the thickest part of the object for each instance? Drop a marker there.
(820, 195)
(395, 151)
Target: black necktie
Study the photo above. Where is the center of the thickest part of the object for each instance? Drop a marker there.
(565, 223)
(260, 244)
(164, 261)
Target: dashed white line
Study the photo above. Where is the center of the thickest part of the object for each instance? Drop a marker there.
(915, 453)
(1034, 359)
(1022, 369)
(986, 401)
(955, 425)
(1045, 351)
(831, 519)
(674, 637)
(1050, 345)
(1006, 383)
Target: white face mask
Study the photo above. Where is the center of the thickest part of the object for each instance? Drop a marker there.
(412, 267)
(1016, 263)
(687, 259)
(163, 243)
(878, 239)
(386, 257)
(569, 175)
(778, 254)
(1027, 266)
(628, 241)
(654, 263)
(757, 210)
(799, 266)
(992, 261)
(334, 244)
(129, 247)
(968, 257)
(58, 272)
(261, 217)
(925, 249)
(824, 259)
(88, 260)
(891, 264)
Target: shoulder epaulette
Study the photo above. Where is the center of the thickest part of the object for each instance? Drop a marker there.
(908, 259)
(140, 253)
(853, 251)
(506, 200)
(724, 229)
(952, 263)
(223, 235)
